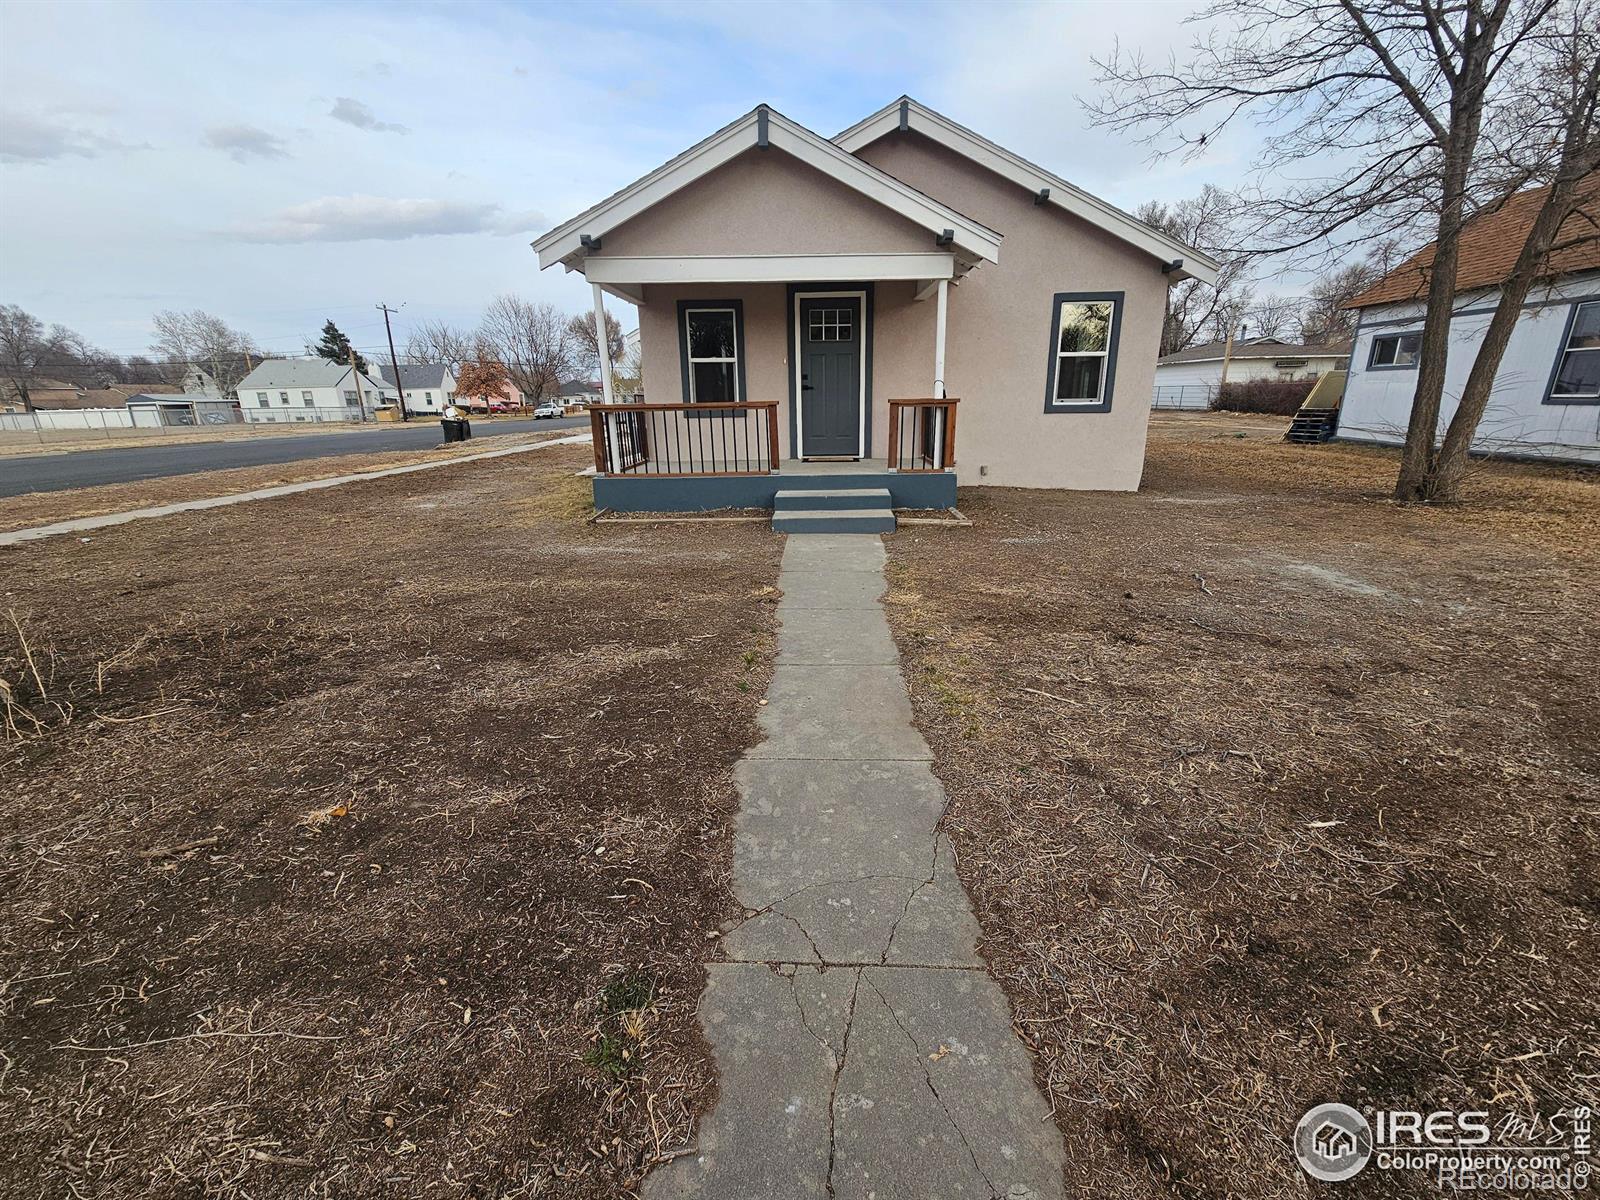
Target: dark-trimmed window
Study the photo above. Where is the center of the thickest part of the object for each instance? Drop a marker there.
(1084, 329)
(1395, 350)
(711, 337)
(1577, 376)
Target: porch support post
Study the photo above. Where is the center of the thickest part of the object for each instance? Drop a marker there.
(605, 344)
(938, 392)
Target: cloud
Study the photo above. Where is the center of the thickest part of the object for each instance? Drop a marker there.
(353, 112)
(244, 142)
(375, 218)
(25, 138)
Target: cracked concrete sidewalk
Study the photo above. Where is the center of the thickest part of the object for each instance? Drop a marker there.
(863, 1050)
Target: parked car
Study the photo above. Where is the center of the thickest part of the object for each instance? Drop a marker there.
(549, 408)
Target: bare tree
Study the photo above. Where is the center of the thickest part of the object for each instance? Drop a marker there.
(1389, 118)
(1324, 317)
(200, 339)
(533, 341)
(1195, 312)
(587, 346)
(441, 342)
(29, 351)
(1274, 316)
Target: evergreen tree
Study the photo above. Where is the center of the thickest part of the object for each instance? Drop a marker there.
(335, 347)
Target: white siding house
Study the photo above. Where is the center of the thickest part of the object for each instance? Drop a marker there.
(1190, 378)
(1545, 402)
(291, 390)
(428, 386)
(1546, 397)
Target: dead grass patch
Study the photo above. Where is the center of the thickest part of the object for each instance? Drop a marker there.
(337, 832)
(1271, 802)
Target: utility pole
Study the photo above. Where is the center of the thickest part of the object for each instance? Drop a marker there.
(393, 360)
(355, 376)
(1227, 355)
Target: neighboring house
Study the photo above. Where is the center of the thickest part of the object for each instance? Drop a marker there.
(57, 395)
(428, 386)
(1190, 378)
(1546, 397)
(803, 300)
(581, 391)
(197, 381)
(284, 390)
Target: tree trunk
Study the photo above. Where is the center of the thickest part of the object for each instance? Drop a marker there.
(1444, 482)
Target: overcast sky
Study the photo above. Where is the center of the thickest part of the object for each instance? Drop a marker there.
(280, 163)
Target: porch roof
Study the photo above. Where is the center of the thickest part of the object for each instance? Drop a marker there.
(624, 276)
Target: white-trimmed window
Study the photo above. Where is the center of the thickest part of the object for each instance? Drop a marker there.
(711, 354)
(350, 396)
(1083, 350)
(1578, 371)
(305, 398)
(262, 401)
(1395, 351)
(283, 397)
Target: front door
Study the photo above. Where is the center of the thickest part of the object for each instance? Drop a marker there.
(830, 377)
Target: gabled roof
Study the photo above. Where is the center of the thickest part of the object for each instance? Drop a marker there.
(906, 113)
(1254, 348)
(580, 387)
(1490, 244)
(415, 375)
(763, 125)
(295, 372)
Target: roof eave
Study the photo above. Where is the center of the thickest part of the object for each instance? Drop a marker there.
(906, 113)
(564, 243)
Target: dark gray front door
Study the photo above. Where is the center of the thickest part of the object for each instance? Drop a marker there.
(830, 376)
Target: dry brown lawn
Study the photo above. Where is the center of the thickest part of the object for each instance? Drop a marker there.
(1270, 792)
(366, 842)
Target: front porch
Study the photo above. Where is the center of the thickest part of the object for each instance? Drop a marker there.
(695, 457)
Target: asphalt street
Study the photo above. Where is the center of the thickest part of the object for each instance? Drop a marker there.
(26, 473)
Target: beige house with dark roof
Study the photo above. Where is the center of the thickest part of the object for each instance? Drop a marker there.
(907, 303)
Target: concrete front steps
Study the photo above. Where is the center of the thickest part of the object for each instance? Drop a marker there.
(833, 510)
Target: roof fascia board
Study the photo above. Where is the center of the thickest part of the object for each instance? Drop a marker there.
(562, 243)
(763, 268)
(1019, 171)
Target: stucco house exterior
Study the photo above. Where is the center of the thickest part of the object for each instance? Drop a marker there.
(1189, 378)
(288, 390)
(428, 386)
(1546, 397)
(866, 305)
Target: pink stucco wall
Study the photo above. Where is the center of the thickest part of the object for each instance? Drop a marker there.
(1000, 314)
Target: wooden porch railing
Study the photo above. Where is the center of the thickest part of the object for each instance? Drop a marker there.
(922, 435)
(685, 439)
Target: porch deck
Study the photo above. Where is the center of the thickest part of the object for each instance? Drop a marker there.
(686, 458)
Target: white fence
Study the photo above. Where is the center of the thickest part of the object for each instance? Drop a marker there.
(1190, 397)
(66, 418)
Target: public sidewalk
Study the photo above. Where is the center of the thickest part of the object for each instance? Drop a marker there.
(862, 1047)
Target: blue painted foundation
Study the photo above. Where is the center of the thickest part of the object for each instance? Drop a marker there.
(642, 493)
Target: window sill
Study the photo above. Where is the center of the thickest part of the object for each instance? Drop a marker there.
(1077, 406)
(1572, 401)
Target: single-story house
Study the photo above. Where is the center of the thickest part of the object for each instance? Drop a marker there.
(810, 307)
(1189, 378)
(1545, 402)
(284, 390)
(581, 391)
(428, 386)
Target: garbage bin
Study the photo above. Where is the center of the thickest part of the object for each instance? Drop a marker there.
(456, 430)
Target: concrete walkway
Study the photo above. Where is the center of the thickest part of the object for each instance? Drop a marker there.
(863, 1049)
(88, 524)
